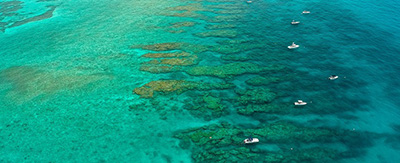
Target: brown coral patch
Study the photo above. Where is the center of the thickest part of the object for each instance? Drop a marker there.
(189, 7)
(176, 31)
(187, 14)
(182, 24)
(225, 6)
(175, 61)
(180, 61)
(162, 46)
(32, 82)
(178, 86)
(188, 11)
(147, 90)
(166, 55)
(171, 62)
(159, 68)
(196, 48)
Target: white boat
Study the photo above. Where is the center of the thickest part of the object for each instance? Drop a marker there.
(251, 140)
(333, 77)
(249, 1)
(300, 102)
(306, 12)
(295, 22)
(293, 46)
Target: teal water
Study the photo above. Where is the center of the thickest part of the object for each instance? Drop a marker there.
(67, 81)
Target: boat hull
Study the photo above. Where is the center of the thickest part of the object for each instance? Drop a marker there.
(255, 140)
(333, 78)
(300, 104)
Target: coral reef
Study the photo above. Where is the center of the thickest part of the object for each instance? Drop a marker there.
(9, 12)
(182, 24)
(236, 46)
(159, 68)
(32, 82)
(188, 11)
(226, 18)
(225, 6)
(219, 26)
(229, 70)
(178, 86)
(166, 55)
(188, 14)
(264, 108)
(173, 46)
(171, 62)
(161, 46)
(176, 31)
(257, 81)
(223, 142)
(46, 15)
(230, 11)
(255, 96)
(175, 61)
(189, 7)
(207, 107)
(278, 132)
(218, 33)
(237, 41)
(240, 154)
(235, 58)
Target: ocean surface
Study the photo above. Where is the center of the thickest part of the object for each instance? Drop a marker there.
(188, 81)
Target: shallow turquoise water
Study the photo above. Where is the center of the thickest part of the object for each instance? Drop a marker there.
(66, 82)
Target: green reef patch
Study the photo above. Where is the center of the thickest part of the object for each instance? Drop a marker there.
(235, 58)
(207, 106)
(255, 96)
(224, 142)
(264, 108)
(236, 46)
(230, 70)
(226, 18)
(258, 81)
(219, 26)
(218, 33)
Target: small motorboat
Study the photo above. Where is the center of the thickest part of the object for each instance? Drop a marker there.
(249, 1)
(251, 140)
(306, 12)
(293, 46)
(295, 22)
(333, 77)
(300, 102)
